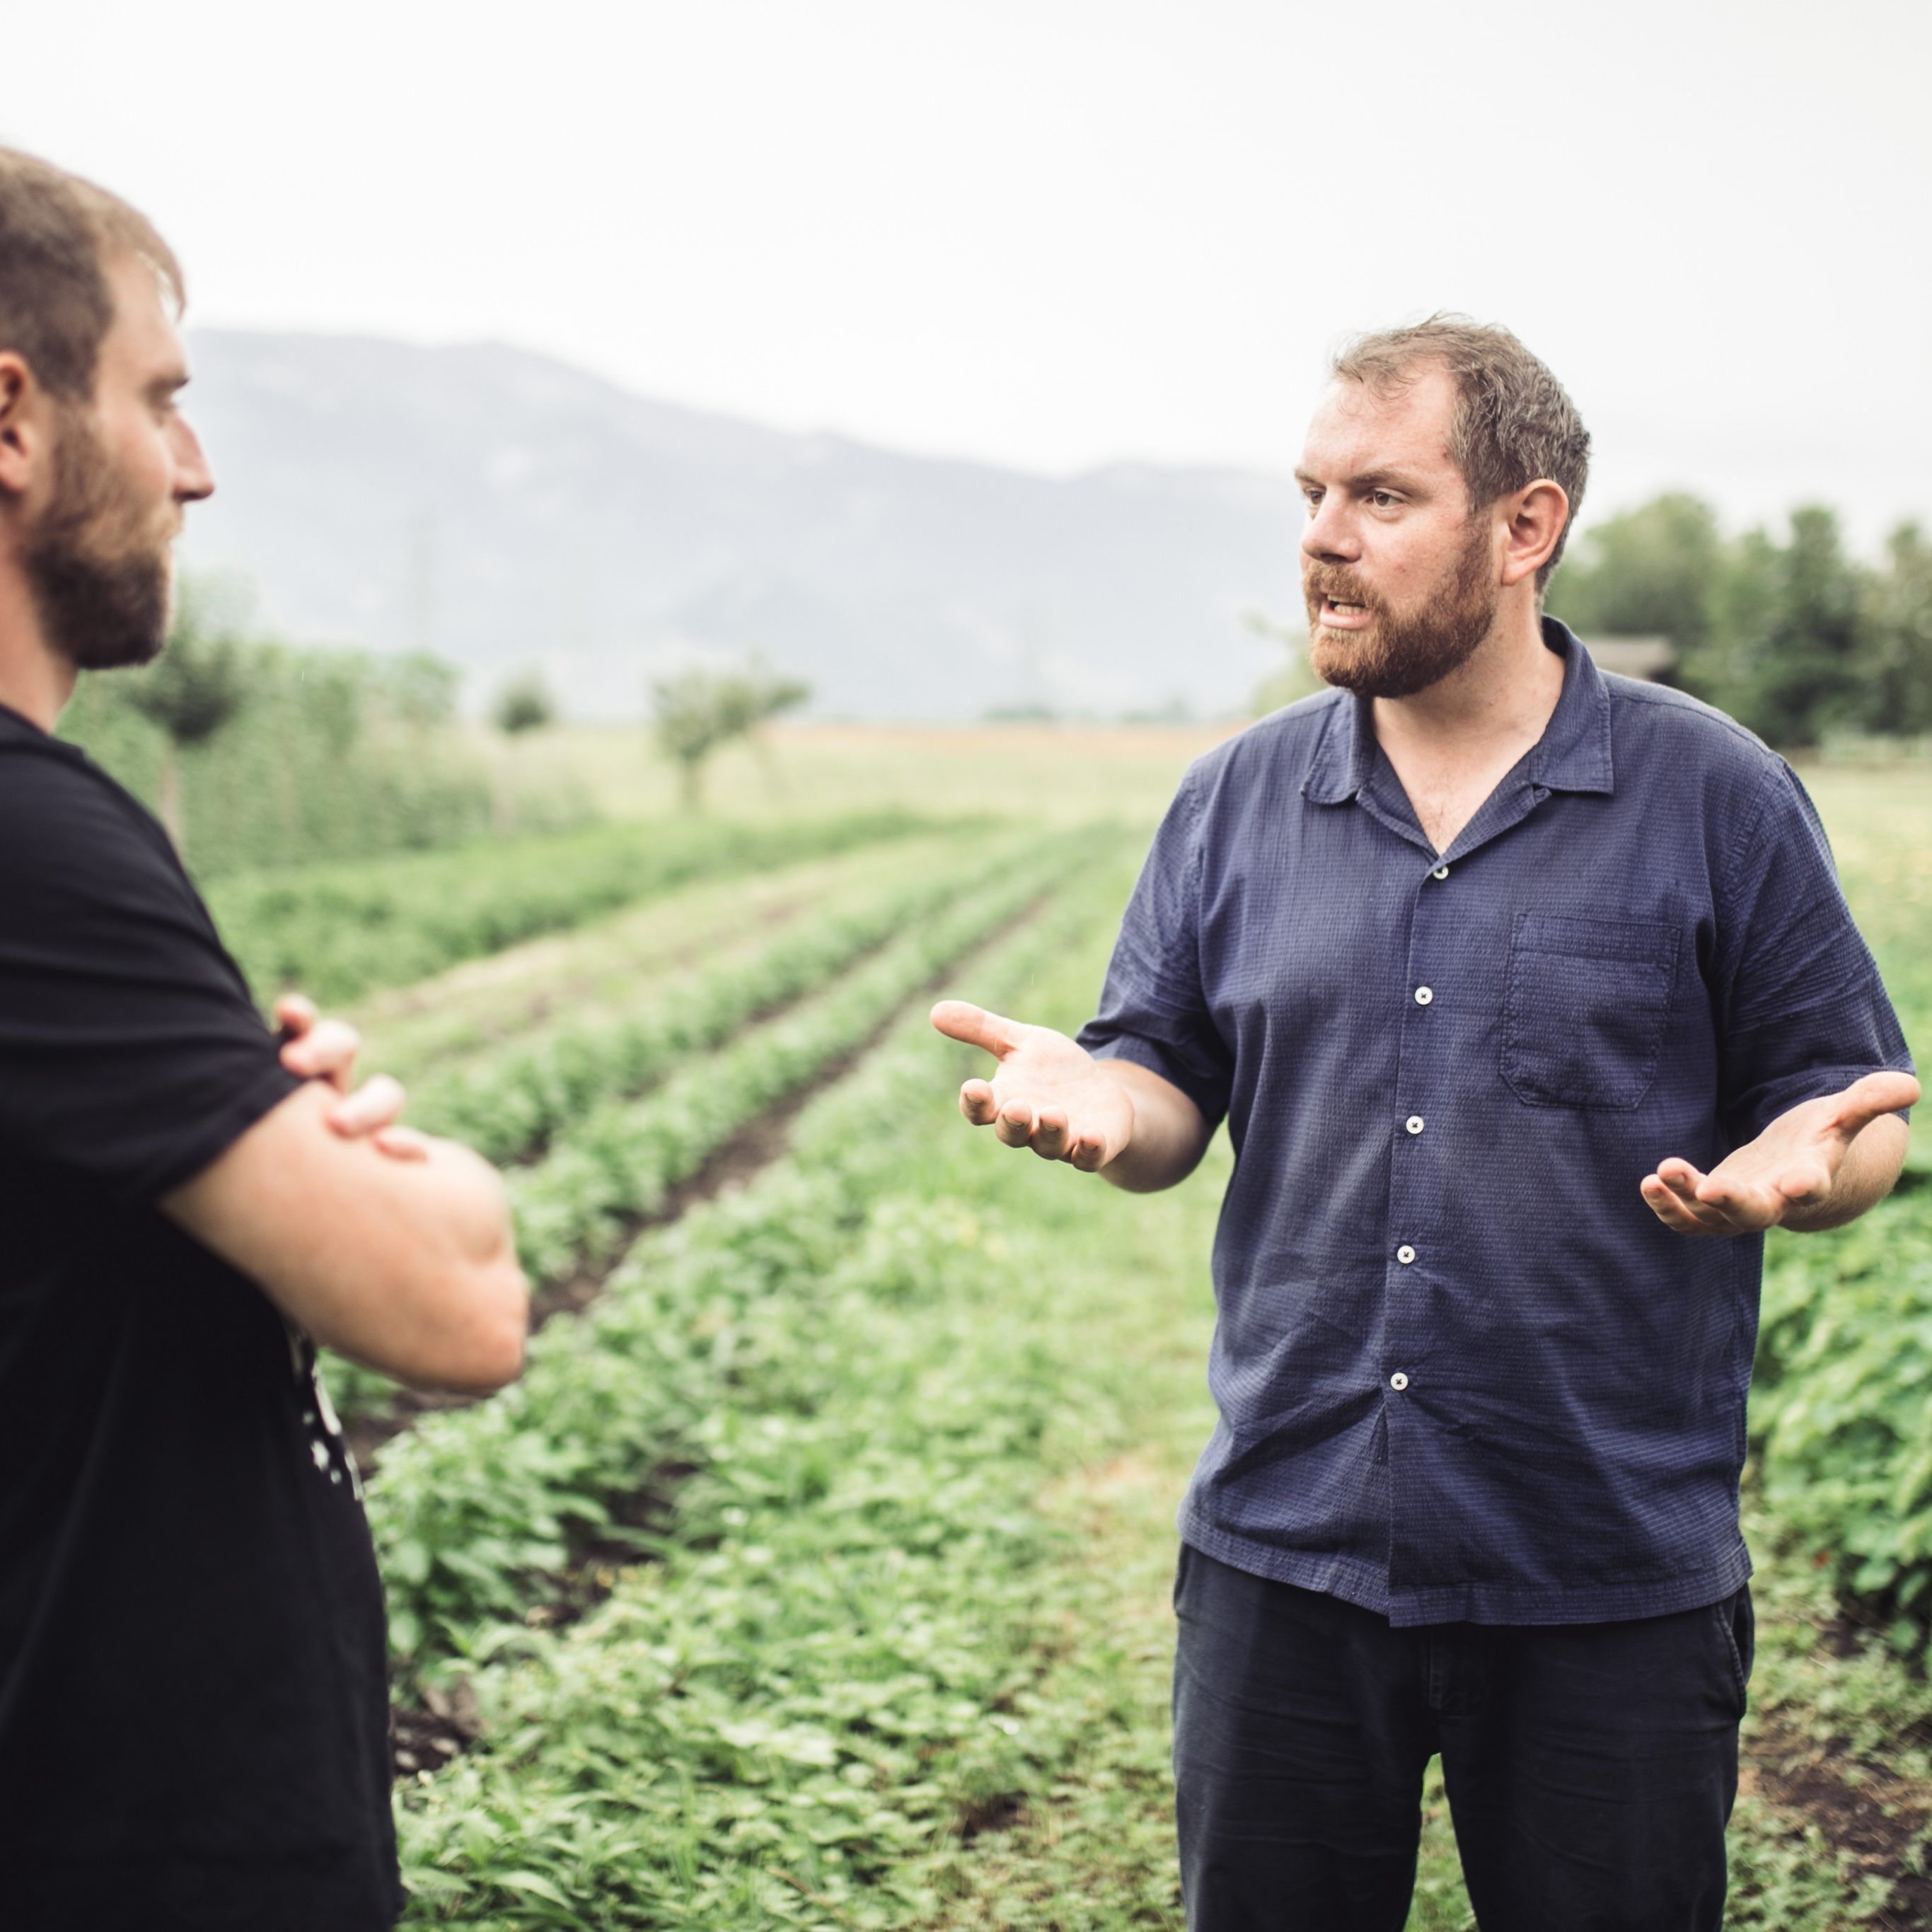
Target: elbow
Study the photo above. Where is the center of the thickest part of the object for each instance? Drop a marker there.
(497, 1343)
(481, 1350)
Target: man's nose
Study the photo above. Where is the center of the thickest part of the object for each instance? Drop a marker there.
(194, 477)
(1328, 537)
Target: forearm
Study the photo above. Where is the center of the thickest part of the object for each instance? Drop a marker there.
(1169, 1136)
(1867, 1173)
(451, 1310)
(408, 1266)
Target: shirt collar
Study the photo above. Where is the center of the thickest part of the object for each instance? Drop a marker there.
(1573, 754)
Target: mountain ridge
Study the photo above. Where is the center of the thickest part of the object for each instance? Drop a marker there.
(508, 509)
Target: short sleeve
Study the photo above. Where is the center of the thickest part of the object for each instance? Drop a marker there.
(129, 1050)
(1153, 1010)
(1802, 1011)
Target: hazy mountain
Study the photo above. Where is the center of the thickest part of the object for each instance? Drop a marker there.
(506, 509)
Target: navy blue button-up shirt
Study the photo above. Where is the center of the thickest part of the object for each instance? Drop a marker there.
(1463, 1372)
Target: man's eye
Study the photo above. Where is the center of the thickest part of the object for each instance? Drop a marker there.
(1381, 499)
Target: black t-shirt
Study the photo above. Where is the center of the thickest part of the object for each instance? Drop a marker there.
(193, 1712)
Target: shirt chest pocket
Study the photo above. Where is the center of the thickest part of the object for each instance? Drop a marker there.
(1588, 1003)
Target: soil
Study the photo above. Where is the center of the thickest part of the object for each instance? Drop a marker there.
(1871, 1817)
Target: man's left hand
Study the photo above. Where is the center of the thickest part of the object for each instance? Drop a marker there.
(319, 1049)
(1802, 1172)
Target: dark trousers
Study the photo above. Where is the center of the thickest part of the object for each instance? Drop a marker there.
(1591, 1768)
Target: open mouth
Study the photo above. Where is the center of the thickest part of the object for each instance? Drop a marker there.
(1338, 614)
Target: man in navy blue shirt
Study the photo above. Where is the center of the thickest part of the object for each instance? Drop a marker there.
(1531, 1000)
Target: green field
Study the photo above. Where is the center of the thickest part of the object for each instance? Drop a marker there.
(816, 1574)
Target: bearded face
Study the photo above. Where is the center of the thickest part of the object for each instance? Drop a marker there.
(1404, 649)
(100, 561)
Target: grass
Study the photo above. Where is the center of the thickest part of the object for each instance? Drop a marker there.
(1059, 773)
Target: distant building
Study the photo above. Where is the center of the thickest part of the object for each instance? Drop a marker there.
(1633, 657)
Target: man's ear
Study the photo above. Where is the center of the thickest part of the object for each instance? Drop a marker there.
(24, 442)
(1537, 516)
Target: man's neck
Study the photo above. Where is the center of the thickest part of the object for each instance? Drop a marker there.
(35, 679)
(1451, 745)
(1505, 694)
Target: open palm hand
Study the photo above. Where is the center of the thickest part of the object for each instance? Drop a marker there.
(1047, 1093)
(1788, 1173)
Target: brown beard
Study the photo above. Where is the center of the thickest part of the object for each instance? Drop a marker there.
(99, 576)
(1405, 651)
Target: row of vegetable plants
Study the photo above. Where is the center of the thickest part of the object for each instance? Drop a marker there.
(341, 931)
(1841, 1396)
(510, 1103)
(475, 1509)
(617, 1164)
(833, 1671)
(1841, 1405)
(429, 1031)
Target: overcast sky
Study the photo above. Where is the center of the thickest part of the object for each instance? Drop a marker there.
(1056, 233)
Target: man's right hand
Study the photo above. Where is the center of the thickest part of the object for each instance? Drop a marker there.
(1047, 1093)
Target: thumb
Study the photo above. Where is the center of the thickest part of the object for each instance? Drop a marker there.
(1865, 1100)
(959, 1020)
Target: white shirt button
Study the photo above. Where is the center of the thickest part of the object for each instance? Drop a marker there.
(1398, 1381)
(1423, 996)
(1414, 1123)
(1404, 1254)
(1441, 872)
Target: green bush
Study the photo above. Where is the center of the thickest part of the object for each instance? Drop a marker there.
(1841, 1408)
(326, 754)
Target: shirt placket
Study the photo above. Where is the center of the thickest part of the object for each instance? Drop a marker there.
(1439, 986)
(1419, 1172)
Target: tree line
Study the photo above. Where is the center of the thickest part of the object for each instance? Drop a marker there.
(256, 753)
(1790, 634)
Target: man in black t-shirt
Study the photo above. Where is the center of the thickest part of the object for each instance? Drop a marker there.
(194, 1709)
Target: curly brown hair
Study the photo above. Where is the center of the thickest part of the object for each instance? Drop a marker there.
(1512, 422)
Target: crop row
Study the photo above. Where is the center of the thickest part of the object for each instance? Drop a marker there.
(340, 930)
(617, 1164)
(834, 1675)
(475, 1511)
(510, 1105)
(1841, 1405)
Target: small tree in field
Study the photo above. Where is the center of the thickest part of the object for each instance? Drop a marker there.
(524, 704)
(758, 695)
(191, 692)
(696, 710)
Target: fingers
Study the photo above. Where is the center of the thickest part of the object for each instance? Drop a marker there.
(326, 1051)
(1015, 1124)
(374, 1106)
(977, 1104)
(960, 1021)
(1051, 1137)
(1877, 1094)
(1671, 1194)
(1088, 1154)
(294, 1013)
(401, 1143)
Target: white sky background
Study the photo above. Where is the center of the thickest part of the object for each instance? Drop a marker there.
(1054, 233)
